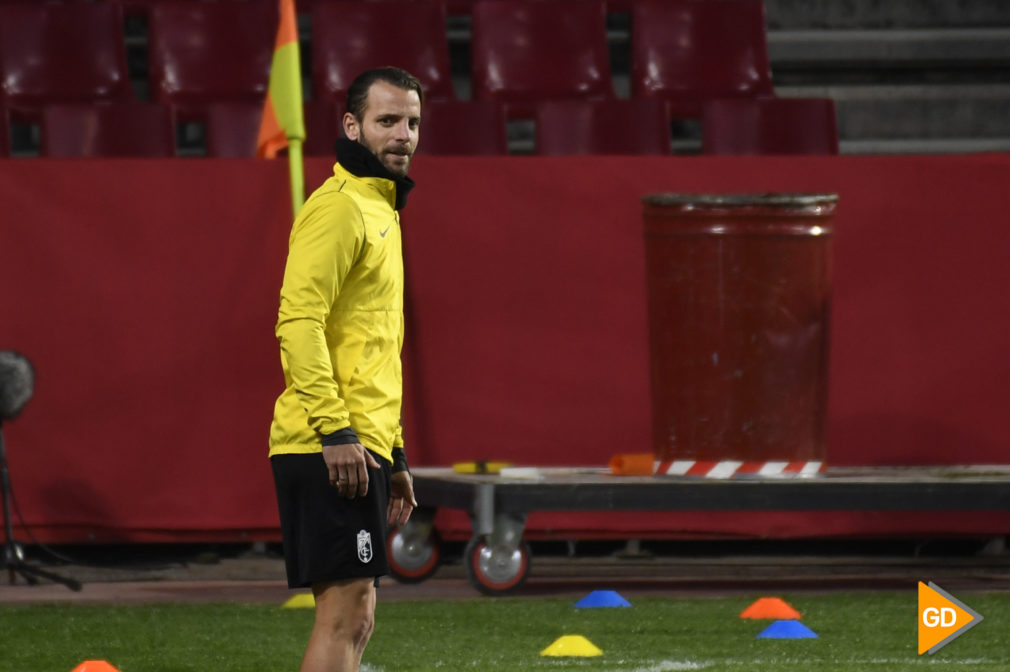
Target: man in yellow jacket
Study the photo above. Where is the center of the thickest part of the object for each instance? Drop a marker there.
(336, 443)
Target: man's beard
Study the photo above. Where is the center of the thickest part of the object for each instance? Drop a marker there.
(396, 169)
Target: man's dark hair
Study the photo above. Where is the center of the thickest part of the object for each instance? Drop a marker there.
(357, 93)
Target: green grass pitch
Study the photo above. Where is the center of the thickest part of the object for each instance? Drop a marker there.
(857, 631)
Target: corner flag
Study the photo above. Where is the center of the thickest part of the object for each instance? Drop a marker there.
(283, 124)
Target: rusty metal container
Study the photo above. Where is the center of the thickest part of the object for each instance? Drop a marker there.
(739, 297)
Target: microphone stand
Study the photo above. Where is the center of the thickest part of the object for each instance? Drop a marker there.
(13, 556)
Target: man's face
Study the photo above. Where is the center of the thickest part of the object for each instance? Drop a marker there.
(390, 125)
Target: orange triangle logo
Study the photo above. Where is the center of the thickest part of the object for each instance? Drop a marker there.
(942, 617)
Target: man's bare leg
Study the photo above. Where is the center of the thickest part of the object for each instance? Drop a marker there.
(345, 618)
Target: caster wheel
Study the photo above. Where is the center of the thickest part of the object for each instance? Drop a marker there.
(412, 559)
(496, 570)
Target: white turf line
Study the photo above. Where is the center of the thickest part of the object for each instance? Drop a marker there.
(687, 665)
(679, 665)
(660, 666)
(922, 660)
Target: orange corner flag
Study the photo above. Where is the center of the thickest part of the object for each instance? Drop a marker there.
(283, 118)
(942, 617)
(94, 666)
(771, 607)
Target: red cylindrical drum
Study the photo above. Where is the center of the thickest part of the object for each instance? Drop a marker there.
(739, 294)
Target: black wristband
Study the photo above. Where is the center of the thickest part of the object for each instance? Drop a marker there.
(399, 460)
(341, 437)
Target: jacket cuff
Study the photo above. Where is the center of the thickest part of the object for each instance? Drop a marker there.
(341, 437)
(399, 460)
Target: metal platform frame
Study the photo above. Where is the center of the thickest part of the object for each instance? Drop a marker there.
(499, 504)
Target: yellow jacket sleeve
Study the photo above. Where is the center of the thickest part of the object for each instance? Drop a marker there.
(398, 436)
(326, 239)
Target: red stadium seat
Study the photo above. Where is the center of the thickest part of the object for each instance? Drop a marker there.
(204, 52)
(322, 127)
(602, 127)
(688, 51)
(349, 37)
(232, 128)
(61, 53)
(527, 51)
(107, 130)
(769, 126)
(469, 127)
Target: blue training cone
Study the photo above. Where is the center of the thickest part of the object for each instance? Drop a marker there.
(787, 630)
(602, 598)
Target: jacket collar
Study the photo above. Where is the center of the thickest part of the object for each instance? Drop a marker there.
(360, 162)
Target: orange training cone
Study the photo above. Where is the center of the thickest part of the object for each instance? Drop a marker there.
(94, 666)
(771, 607)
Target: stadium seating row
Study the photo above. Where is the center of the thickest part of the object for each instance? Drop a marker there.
(214, 57)
(746, 126)
(448, 7)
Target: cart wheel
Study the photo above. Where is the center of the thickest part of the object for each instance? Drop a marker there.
(496, 570)
(414, 559)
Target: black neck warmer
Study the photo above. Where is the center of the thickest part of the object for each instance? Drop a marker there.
(359, 161)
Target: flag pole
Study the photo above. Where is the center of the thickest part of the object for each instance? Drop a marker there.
(296, 170)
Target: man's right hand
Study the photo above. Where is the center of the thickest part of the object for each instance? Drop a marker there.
(348, 467)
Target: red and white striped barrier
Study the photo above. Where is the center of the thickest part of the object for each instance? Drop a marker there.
(731, 468)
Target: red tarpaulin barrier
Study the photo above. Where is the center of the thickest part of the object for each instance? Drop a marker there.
(145, 294)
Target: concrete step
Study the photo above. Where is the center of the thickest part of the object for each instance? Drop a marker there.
(877, 48)
(798, 14)
(917, 112)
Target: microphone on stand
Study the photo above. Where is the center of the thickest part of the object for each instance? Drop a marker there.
(17, 384)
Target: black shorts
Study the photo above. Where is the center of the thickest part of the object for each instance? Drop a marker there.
(327, 537)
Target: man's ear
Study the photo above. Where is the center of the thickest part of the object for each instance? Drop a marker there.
(351, 127)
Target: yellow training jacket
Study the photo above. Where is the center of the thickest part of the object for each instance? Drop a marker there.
(340, 323)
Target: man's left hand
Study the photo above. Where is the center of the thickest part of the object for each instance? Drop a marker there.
(401, 498)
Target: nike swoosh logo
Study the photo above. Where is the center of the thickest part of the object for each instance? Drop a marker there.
(383, 233)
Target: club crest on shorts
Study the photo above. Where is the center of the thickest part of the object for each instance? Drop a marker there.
(364, 546)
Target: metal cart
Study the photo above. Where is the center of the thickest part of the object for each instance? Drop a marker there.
(497, 559)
